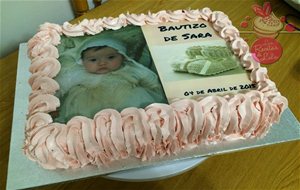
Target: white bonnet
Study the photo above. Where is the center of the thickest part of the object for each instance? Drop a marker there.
(110, 42)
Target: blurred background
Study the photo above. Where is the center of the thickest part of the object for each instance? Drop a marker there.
(20, 19)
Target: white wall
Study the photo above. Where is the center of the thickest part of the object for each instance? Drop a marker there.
(20, 19)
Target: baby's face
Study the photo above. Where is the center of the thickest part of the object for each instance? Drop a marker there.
(102, 61)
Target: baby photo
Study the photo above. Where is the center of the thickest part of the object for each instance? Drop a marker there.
(111, 70)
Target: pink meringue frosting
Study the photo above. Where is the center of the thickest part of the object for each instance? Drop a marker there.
(45, 84)
(154, 18)
(229, 33)
(158, 130)
(220, 20)
(72, 30)
(113, 23)
(51, 27)
(43, 103)
(247, 60)
(46, 66)
(93, 26)
(192, 15)
(176, 16)
(43, 50)
(138, 20)
(239, 46)
(205, 13)
(159, 17)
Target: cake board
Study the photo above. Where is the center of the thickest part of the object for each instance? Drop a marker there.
(23, 173)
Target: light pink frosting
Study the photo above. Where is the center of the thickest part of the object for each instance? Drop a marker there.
(45, 84)
(46, 66)
(165, 128)
(43, 103)
(135, 19)
(259, 74)
(205, 13)
(192, 15)
(43, 50)
(239, 46)
(220, 20)
(176, 16)
(50, 27)
(72, 30)
(159, 129)
(268, 87)
(44, 42)
(229, 33)
(48, 36)
(247, 60)
(114, 23)
(156, 18)
(92, 27)
(41, 84)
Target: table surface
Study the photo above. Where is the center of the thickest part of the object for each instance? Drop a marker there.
(270, 167)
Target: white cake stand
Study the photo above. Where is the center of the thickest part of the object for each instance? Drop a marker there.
(156, 172)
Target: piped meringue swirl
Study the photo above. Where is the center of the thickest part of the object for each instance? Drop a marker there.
(192, 15)
(72, 30)
(45, 84)
(47, 66)
(43, 103)
(43, 50)
(220, 20)
(239, 46)
(138, 20)
(113, 23)
(229, 33)
(205, 13)
(93, 26)
(176, 16)
(159, 17)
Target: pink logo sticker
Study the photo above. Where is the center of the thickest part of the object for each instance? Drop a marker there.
(267, 50)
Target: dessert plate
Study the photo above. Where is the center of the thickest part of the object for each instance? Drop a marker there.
(156, 172)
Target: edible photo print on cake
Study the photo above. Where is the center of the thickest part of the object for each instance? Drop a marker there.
(193, 60)
(112, 70)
